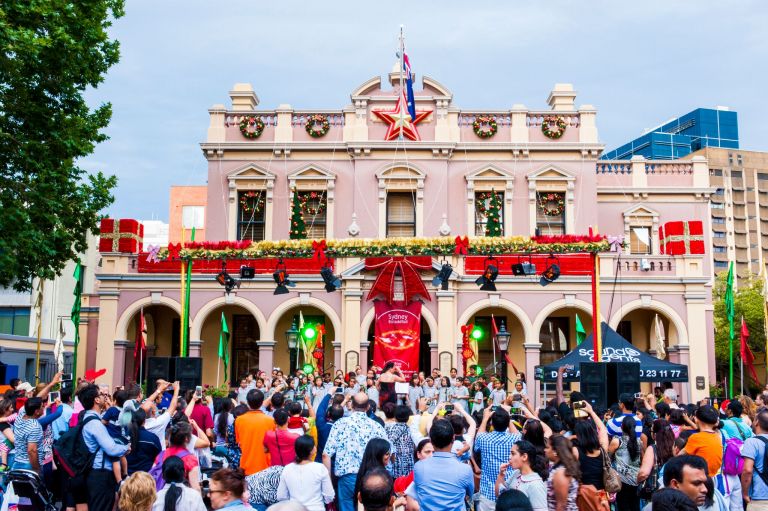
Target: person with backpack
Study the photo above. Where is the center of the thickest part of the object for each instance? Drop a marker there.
(101, 487)
(734, 433)
(175, 495)
(754, 477)
(734, 426)
(179, 439)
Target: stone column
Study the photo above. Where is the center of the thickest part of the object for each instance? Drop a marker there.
(446, 336)
(105, 349)
(196, 348)
(337, 362)
(118, 370)
(364, 355)
(350, 325)
(532, 359)
(266, 355)
(433, 356)
(686, 391)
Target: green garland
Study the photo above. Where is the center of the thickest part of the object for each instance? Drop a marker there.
(256, 122)
(485, 126)
(313, 121)
(304, 198)
(545, 199)
(252, 201)
(553, 126)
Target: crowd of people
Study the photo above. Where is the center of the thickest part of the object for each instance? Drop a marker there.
(375, 441)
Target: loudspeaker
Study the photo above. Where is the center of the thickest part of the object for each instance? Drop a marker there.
(189, 372)
(627, 378)
(157, 368)
(593, 379)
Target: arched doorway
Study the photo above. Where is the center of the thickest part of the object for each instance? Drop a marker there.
(558, 332)
(639, 328)
(425, 337)
(494, 361)
(163, 335)
(287, 359)
(243, 348)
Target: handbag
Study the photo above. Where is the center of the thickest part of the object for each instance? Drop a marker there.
(649, 486)
(589, 498)
(611, 480)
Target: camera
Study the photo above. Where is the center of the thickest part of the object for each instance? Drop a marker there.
(578, 405)
(448, 408)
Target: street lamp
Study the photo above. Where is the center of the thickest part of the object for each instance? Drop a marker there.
(292, 337)
(502, 339)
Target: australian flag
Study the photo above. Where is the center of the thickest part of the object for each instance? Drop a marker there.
(409, 86)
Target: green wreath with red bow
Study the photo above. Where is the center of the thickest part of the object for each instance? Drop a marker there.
(485, 126)
(553, 126)
(552, 204)
(317, 125)
(252, 201)
(251, 122)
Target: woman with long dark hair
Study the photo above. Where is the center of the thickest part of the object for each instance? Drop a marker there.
(233, 448)
(390, 374)
(658, 454)
(563, 482)
(304, 480)
(145, 446)
(376, 455)
(221, 422)
(530, 471)
(626, 454)
(175, 495)
(591, 440)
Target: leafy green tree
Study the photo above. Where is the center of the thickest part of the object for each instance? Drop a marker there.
(748, 302)
(493, 217)
(52, 50)
(298, 230)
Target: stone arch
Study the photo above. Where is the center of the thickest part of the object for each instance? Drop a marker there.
(512, 307)
(365, 324)
(274, 318)
(121, 330)
(555, 306)
(196, 326)
(660, 307)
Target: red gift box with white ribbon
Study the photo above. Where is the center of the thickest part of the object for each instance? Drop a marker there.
(682, 237)
(123, 235)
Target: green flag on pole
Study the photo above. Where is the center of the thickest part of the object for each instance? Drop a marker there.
(75, 317)
(224, 344)
(730, 312)
(581, 334)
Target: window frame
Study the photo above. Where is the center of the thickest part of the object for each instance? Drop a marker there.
(482, 225)
(562, 223)
(14, 316)
(240, 221)
(399, 224)
(649, 228)
(202, 216)
(313, 223)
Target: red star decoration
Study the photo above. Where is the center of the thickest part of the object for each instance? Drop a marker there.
(400, 121)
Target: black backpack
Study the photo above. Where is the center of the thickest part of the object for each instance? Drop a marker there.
(70, 451)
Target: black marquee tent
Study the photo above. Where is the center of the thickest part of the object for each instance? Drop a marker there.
(615, 349)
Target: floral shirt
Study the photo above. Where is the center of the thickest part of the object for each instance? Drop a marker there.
(233, 448)
(347, 440)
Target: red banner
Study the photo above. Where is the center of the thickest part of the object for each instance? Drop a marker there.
(398, 331)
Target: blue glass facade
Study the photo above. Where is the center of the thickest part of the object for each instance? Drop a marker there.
(704, 127)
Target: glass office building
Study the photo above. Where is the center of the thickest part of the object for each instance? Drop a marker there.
(704, 127)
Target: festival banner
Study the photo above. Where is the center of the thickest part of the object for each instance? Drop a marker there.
(397, 333)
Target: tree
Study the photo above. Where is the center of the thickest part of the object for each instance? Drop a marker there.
(748, 302)
(298, 227)
(493, 218)
(51, 51)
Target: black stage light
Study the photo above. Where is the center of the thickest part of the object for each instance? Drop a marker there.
(551, 273)
(487, 279)
(441, 280)
(226, 280)
(523, 269)
(332, 282)
(281, 279)
(247, 272)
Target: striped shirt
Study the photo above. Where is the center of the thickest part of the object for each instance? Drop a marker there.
(26, 430)
(614, 425)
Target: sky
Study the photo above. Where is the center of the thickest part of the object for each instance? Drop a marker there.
(638, 63)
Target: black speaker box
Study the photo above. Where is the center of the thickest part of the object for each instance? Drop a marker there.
(627, 377)
(158, 368)
(603, 382)
(593, 380)
(189, 372)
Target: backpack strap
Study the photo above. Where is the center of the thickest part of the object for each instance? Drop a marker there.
(762, 473)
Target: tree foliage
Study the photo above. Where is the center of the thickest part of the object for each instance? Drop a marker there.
(493, 217)
(50, 51)
(748, 302)
(298, 229)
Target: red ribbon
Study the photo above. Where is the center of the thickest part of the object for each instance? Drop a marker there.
(409, 270)
(173, 250)
(319, 247)
(462, 246)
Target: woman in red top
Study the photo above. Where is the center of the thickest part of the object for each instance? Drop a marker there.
(280, 442)
(181, 435)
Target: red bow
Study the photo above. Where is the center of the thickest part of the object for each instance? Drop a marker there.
(92, 374)
(173, 250)
(409, 270)
(319, 247)
(462, 246)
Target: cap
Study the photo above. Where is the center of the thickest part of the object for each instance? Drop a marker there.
(25, 387)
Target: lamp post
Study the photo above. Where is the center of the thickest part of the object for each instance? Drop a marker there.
(502, 338)
(292, 337)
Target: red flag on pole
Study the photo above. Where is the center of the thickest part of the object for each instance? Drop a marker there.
(140, 345)
(746, 353)
(509, 361)
(494, 328)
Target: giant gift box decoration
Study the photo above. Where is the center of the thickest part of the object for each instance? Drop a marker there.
(123, 235)
(682, 237)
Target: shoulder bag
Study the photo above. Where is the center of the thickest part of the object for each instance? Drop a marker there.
(611, 480)
(649, 486)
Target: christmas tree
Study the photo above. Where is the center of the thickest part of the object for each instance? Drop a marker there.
(298, 227)
(493, 216)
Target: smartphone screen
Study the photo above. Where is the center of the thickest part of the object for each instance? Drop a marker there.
(199, 391)
(53, 396)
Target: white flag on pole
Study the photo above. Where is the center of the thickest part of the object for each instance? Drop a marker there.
(58, 347)
(660, 351)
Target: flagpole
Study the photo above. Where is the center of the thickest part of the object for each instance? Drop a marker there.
(142, 347)
(39, 327)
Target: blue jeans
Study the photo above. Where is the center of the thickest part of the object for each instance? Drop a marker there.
(260, 507)
(346, 495)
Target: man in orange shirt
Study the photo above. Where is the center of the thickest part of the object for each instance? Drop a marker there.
(250, 429)
(706, 442)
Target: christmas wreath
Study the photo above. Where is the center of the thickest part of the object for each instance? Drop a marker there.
(305, 197)
(317, 125)
(247, 123)
(552, 204)
(485, 126)
(251, 201)
(482, 202)
(553, 126)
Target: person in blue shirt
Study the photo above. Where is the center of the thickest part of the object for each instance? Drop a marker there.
(627, 408)
(753, 487)
(61, 425)
(441, 481)
(734, 426)
(101, 486)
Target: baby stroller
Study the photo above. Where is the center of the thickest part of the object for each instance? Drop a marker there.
(27, 491)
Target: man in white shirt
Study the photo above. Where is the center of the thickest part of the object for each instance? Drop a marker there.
(670, 397)
(155, 423)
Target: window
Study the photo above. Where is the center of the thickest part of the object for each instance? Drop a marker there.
(251, 207)
(401, 214)
(554, 339)
(14, 320)
(718, 234)
(721, 250)
(717, 205)
(192, 217)
(640, 240)
(738, 159)
(314, 205)
(736, 174)
(721, 264)
(720, 191)
(762, 176)
(550, 213)
(716, 172)
(718, 220)
(482, 203)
